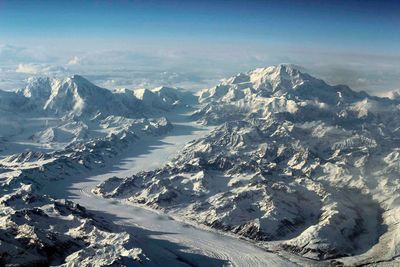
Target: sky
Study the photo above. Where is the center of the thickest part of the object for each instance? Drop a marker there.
(193, 44)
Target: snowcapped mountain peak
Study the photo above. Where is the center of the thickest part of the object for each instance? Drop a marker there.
(280, 70)
(46, 93)
(271, 74)
(238, 78)
(78, 78)
(164, 97)
(275, 81)
(282, 77)
(163, 88)
(285, 89)
(72, 94)
(75, 82)
(174, 96)
(78, 97)
(143, 93)
(393, 95)
(123, 91)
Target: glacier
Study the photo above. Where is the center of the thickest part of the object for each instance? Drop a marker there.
(272, 167)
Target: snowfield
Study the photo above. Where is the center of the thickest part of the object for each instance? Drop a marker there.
(269, 168)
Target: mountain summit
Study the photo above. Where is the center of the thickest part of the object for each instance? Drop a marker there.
(77, 96)
(280, 80)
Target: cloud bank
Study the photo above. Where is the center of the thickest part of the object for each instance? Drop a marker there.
(191, 65)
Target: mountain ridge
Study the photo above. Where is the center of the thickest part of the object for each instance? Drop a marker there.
(49, 113)
(277, 81)
(293, 163)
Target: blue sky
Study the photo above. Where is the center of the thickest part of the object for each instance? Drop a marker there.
(222, 37)
(335, 23)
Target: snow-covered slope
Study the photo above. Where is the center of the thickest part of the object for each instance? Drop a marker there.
(175, 96)
(284, 90)
(76, 96)
(165, 98)
(50, 113)
(296, 164)
(280, 80)
(300, 166)
(75, 172)
(37, 230)
(83, 126)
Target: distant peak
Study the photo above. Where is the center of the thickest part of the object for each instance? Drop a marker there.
(279, 70)
(76, 81)
(160, 88)
(394, 94)
(281, 76)
(78, 78)
(290, 67)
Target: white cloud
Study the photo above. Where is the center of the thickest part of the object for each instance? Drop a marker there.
(10, 54)
(41, 69)
(74, 61)
(27, 68)
(193, 65)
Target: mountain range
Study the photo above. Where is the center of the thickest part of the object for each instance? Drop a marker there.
(299, 167)
(294, 163)
(50, 113)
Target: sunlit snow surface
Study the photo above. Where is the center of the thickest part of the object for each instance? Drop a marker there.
(304, 169)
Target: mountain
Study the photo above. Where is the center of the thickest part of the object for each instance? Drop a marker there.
(37, 230)
(76, 96)
(165, 98)
(175, 96)
(11, 102)
(50, 113)
(276, 81)
(301, 167)
(294, 163)
(283, 90)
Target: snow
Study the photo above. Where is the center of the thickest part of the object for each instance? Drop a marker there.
(38, 230)
(294, 167)
(211, 244)
(294, 164)
(200, 246)
(48, 114)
